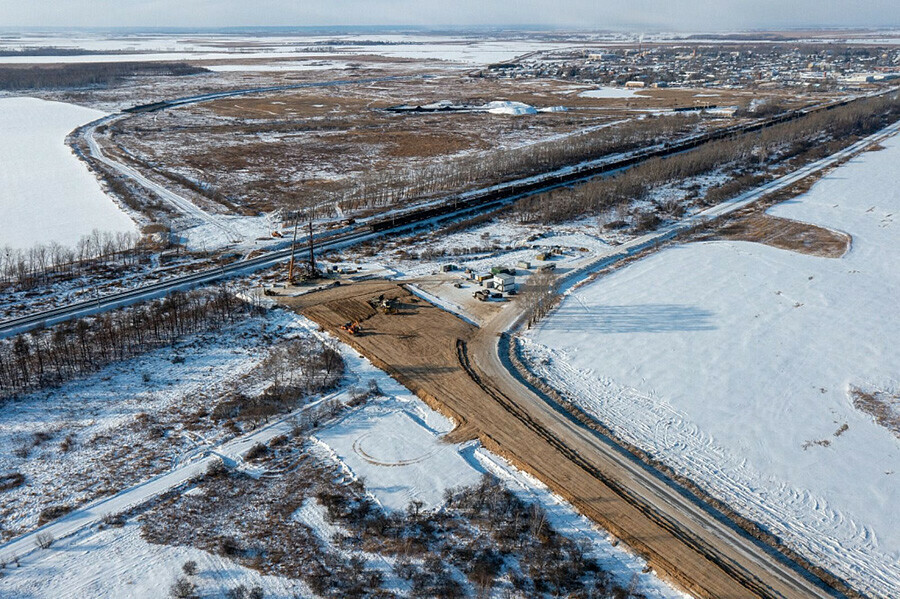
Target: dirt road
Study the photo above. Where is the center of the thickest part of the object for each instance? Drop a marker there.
(457, 369)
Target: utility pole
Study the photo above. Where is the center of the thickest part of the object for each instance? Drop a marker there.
(291, 263)
(312, 255)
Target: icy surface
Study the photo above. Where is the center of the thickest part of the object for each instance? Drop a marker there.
(608, 92)
(732, 361)
(46, 193)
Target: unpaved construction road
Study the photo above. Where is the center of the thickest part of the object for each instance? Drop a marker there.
(458, 369)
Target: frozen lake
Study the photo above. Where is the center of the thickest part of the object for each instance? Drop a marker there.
(46, 193)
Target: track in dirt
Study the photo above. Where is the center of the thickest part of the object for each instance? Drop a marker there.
(746, 580)
(428, 350)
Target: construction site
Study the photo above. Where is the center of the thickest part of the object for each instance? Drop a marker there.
(458, 369)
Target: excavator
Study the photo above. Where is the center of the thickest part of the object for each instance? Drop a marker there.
(351, 327)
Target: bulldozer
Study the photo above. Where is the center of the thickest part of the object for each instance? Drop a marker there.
(351, 327)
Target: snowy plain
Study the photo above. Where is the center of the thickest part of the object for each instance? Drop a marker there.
(161, 47)
(733, 362)
(46, 193)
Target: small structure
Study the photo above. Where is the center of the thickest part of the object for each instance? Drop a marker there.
(635, 84)
(504, 283)
(448, 267)
(523, 264)
(541, 257)
(482, 277)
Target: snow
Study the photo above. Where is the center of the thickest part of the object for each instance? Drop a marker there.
(116, 563)
(46, 193)
(622, 564)
(608, 92)
(730, 360)
(278, 67)
(100, 412)
(508, 107)
(394, 442)
(198, 46)
(444, 304)
(399, 455)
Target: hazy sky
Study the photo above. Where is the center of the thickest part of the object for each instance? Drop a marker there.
(614, 14)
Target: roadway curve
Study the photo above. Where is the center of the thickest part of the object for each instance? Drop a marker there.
(758, 569)
(179, 203)
(712, 538)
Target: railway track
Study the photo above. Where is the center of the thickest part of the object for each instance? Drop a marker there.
(455, 206)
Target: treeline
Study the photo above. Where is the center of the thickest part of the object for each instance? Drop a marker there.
(538, 297)
(26, 268)
(385, 188)
(47, 357)
(103, 74)
(808, 138)
(53, 51)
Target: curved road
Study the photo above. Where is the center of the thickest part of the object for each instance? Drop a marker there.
(742, 558)
(702, 528)
(181, 204)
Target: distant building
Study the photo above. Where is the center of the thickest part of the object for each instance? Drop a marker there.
(635, 84)
(504, 282)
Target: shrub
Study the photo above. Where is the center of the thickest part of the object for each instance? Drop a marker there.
(183, 589)
(52, 513)
(11, 480)
(43, 540)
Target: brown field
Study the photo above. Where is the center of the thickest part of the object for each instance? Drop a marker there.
(787, 234)
(426, 349)
(258, 150)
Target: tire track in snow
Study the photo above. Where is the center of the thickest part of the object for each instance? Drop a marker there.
(807, 521)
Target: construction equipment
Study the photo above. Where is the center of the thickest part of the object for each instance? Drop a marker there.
(351, 327)
(385, 305)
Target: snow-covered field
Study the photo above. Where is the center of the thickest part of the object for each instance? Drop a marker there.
(315, 65)
(46, 193)
(125, 423)
(115, 563)
(734, 361)
(394, 443)
(400, 454)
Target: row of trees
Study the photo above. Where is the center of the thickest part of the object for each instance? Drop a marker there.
(538, 297)
(25, 268)
(45, 357)
(29, 77)
(385, 188)
(749, 155)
